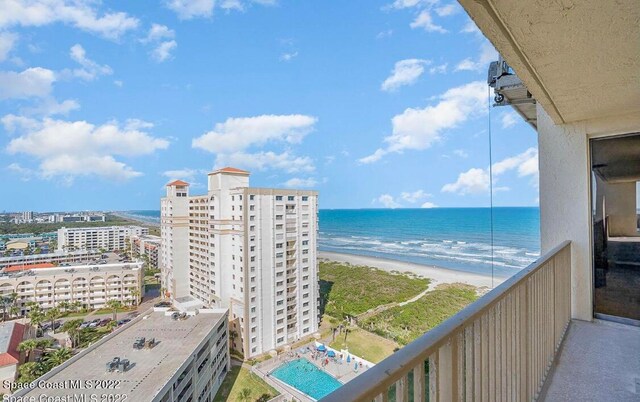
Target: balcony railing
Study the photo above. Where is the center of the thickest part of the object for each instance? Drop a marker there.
(499, 347)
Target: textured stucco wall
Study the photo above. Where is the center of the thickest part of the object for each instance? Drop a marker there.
(565, 203)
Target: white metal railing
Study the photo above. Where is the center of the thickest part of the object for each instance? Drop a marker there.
(497, 348)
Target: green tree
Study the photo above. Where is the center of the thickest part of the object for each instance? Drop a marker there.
(114, 305)
(29, 345)
(244, 394)
(57, 357)
(36, 316)
(28, 372)
(64, 305)
(135, 293)
(52, 315)
(72, 328)
(76, 306)
(14, 310)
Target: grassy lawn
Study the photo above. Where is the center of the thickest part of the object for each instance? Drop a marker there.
(406, 323)
(239, 378)
(365, 344)
(351, 290)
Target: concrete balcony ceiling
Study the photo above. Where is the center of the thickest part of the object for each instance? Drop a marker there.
(579, 59)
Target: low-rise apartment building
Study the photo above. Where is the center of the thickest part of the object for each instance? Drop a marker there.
(92, 285)
(55, 258)
(147, 247)
(162, 358)
(108, 238)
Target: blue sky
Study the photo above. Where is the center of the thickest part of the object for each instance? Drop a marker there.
(373, 103)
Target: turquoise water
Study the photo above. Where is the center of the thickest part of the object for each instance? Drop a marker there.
(456, 238)
(306, 377)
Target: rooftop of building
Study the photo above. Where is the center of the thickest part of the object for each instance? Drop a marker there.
(150, 369)
(11, 334)
(113, 262)
(177, 183)
(53, 255)
(232, 170)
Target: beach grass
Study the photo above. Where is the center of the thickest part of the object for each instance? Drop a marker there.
(350, 290)
(366, 345)
(240, 378)
(406, 323)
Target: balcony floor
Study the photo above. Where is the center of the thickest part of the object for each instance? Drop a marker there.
(599, 361)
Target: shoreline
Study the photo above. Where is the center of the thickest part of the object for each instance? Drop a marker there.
(438, 275)
(133, 218)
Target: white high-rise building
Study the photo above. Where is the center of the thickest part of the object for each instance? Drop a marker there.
(251, 250)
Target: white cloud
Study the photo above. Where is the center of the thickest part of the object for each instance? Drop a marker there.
(118, 83)
(461, 153)
(439, 69)
(284, 161)
(183, 174)
(477, 181)
(7, 40)
(80, 14)
(402, 4)
(240, 133)
(425, 21)
(163, 51)
(415, 196)
(50, 107)
(473, 181)
(470, 27)
(32, 82)
(384, 34)
(300, 183)
(90, 69)
(137, 124)
(188, 9)
(418, 129)
(448, 9)
(509, 119)
(25, 174)
(288, 56)
(428, 205)
(159, 32)
(487, 54)
(405, 72)
(387, 201)
(78, 148)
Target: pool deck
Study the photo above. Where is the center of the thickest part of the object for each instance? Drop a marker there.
(342, 372)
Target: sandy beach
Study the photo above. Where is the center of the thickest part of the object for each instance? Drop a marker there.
(133, 218)
(438, 275)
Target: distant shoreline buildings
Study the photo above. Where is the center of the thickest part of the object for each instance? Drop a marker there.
(27, 217)
(251, 250)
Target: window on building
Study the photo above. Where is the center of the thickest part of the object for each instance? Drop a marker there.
(305, 198)
(278, 198)
(291, 198)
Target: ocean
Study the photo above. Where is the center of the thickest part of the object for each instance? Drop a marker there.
(455, 238)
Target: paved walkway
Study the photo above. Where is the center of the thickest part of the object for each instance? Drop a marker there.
(598, 361)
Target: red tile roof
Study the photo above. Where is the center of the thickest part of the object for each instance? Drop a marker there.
(12, 356)
(14, 268)
(229, 169)
(178, 183)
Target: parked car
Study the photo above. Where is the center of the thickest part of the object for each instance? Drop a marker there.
(104, 322)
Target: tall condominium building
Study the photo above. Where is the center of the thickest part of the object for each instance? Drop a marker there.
(251, 250)
(147, 247)
(105, 237)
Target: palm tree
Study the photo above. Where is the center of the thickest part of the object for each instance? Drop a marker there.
(57, 357)
(27, 346)
(244, 394)
(72, 328)
(111, 325)
(52, 315)
(76, 305)
(135, 293)
(30, 345)
(36, 316)
(14, 310)
(114, 305)
(64, 305)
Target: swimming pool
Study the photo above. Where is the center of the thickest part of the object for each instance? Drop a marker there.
(307, 378)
